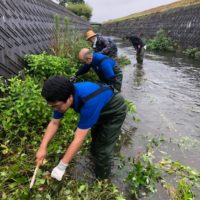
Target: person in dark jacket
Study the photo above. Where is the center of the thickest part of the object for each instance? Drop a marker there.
(139, 46)
(101, 44)
(106, 68)
(100, 110)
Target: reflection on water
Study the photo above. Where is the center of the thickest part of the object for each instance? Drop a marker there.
(138, 74)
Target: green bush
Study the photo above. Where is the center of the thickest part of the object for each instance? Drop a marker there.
(24, 115)
(42, 66)
(160, 42)
(80, 9)
(192, 53)
(23, 108)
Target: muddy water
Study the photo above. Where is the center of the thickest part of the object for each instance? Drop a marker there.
(166, 91)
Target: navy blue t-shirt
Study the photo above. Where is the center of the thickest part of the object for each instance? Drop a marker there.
(91, 109)
(106, 67)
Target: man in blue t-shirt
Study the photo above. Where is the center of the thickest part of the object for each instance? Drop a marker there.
(100, 110)
(106, 68)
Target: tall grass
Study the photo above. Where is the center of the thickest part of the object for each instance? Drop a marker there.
(66, 43)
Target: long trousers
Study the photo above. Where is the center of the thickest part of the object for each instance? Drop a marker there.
(140, 56)
(106, 133)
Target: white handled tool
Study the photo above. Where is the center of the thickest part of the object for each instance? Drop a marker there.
(34, 175)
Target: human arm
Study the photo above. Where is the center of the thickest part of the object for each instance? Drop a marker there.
(107, 69)
(82, 70)
(106, 44)
(49, 133)
(73, 148)
(75, 145)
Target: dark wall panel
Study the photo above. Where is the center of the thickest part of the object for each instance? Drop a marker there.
(26, 26)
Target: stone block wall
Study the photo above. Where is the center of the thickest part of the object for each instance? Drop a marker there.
(26, 26)
(181, 24)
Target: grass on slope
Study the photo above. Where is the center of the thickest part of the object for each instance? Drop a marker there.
(164, 8)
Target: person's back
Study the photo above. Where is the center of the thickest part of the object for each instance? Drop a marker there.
(139, 46)
(105, 67)
(106, 46)
(102, 44)
(136, 42)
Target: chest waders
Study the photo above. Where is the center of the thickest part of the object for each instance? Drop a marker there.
(140, 56)
(117, 81)
(105, 132)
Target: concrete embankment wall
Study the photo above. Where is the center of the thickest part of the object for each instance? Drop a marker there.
(181, 24)
(26, 26)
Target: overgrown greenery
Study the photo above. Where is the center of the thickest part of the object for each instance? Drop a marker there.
(23, 109)
(24, 116)
(193, 53)
(43, 65)
(67, 45)
(160, 42)
(81, 9)
(123, 61)
(143, 175)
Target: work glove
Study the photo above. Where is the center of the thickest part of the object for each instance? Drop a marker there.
(72, 78)
(59, 171)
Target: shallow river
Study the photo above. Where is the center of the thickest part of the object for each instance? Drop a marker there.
(166, 92)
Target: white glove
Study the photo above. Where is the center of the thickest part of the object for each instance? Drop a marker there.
(59, 171)
(73, 78)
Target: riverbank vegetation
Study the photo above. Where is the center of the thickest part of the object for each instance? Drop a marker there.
(24, 116)
(192, 53)
(161, 42)
(123, 61)
(147, 172)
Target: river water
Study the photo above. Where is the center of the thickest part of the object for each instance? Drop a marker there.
(166, 92)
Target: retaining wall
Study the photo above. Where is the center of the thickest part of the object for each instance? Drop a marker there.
(26, 26)
(181, 24)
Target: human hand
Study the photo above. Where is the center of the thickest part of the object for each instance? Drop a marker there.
(40, 156)
(72, 78)
(59, 171)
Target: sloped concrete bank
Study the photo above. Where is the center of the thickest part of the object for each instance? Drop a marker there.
(181, 24)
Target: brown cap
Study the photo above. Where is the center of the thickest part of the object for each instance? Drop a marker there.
(90, 34)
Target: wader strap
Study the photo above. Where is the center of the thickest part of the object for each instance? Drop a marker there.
(95, 93)
(102, 60)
